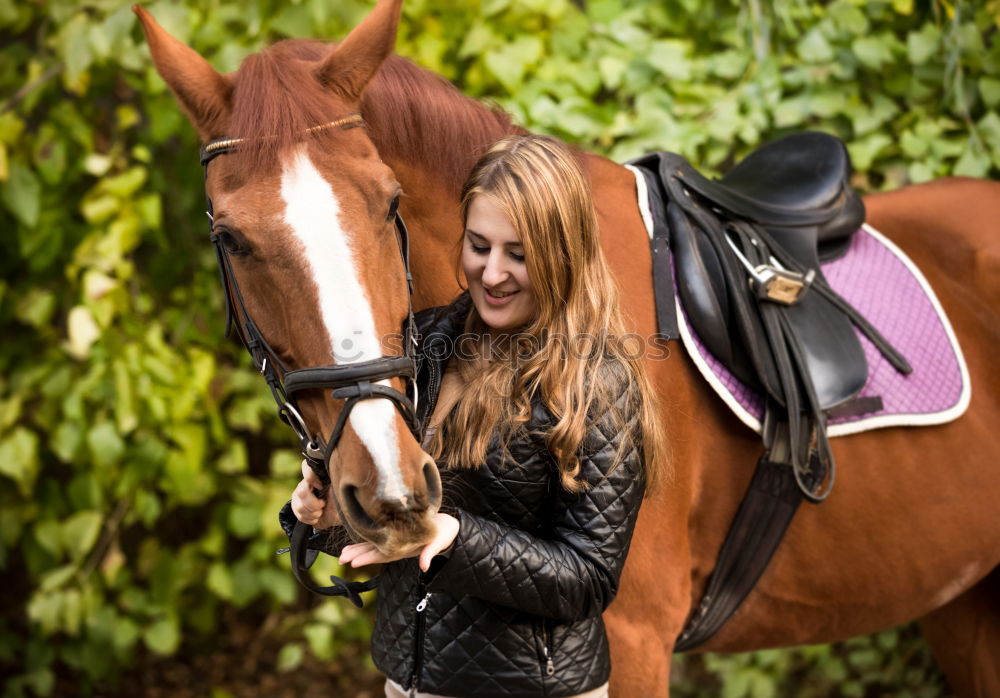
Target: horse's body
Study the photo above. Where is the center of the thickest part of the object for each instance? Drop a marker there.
(912, 526)
(911, 529)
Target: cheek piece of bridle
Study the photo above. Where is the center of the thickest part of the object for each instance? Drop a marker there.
(352, 382)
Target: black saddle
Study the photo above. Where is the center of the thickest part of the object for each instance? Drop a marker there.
(757, 236)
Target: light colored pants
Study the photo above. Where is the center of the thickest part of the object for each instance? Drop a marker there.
(394, 690)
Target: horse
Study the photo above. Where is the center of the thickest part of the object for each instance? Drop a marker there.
(305, 212)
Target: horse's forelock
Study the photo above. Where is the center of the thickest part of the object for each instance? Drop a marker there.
(276, 97)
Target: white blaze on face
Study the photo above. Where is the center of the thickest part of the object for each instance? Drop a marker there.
(313, 214)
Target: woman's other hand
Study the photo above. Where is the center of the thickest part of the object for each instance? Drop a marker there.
(445, 531)
(307, 507)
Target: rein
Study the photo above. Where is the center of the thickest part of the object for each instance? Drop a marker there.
(352, 382)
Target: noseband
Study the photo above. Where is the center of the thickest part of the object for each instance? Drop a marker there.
(352, 382)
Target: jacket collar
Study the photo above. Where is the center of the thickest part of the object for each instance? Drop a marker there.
(437, 329)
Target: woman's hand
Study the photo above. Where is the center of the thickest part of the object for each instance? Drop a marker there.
(307, 507)
(445, 531)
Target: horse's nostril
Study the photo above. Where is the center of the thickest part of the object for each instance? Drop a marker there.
(352, 506)
(433, 479)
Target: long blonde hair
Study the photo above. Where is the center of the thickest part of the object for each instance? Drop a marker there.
(538, 184)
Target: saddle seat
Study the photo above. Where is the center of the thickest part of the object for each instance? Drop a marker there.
(797, 189)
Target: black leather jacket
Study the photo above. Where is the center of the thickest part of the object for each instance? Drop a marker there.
(515, 608)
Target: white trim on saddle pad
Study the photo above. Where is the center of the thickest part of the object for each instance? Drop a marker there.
(853, 427)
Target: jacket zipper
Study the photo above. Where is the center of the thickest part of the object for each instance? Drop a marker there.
(434, 387)
(550, 667)
(418, 650)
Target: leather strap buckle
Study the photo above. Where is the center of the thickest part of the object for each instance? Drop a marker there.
(780, 285)
(772, 282)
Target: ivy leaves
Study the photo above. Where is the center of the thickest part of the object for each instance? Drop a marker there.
(124, 416)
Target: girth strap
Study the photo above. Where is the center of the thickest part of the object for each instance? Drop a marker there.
(663, 277)
(760, 523)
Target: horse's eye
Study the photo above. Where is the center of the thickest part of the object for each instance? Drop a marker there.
(231, 242)
(393, 208)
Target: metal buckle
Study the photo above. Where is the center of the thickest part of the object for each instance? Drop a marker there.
(773, 283)
(780, 285)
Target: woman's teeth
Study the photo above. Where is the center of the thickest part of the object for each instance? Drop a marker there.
(500, 294)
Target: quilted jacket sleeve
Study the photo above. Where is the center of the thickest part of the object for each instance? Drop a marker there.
(574, 571)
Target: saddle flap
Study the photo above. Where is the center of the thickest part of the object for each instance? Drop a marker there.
(837, 364)
(832, 352)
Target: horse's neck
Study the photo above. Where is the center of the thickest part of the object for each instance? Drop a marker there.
(435, 227)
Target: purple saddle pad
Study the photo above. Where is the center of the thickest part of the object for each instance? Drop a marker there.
(885, 286)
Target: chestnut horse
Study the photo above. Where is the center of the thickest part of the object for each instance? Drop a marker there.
(911, 531)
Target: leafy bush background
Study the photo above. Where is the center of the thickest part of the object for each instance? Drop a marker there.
(141, 462)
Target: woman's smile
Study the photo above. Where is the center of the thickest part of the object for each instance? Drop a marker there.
(494, 297)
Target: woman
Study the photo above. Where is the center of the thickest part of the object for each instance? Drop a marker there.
(546, 433)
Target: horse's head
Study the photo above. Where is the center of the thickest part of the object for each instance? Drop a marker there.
(304, 209)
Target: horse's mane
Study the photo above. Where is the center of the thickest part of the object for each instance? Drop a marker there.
(418, 116)
(412, 115)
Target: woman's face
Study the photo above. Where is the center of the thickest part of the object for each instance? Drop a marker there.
(493, 260)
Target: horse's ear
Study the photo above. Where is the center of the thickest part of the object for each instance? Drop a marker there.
(204, 94)
(356, 59)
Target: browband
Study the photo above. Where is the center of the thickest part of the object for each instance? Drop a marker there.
(219, 146)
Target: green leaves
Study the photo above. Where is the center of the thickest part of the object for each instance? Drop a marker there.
(79, 532)
(989, 88)
(163, 635)
(815, 48)
(974, 162)
(19, 458)
(923, 43)
(510, 61)
(670, 57)
(864, 151)
(22, 193)
(894, 662)
(873, 52)
(141, 465)
(320, 638)
(105, 444)
(73, 45)
(290, 657)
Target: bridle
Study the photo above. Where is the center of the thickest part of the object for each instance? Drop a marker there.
(352, 382)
